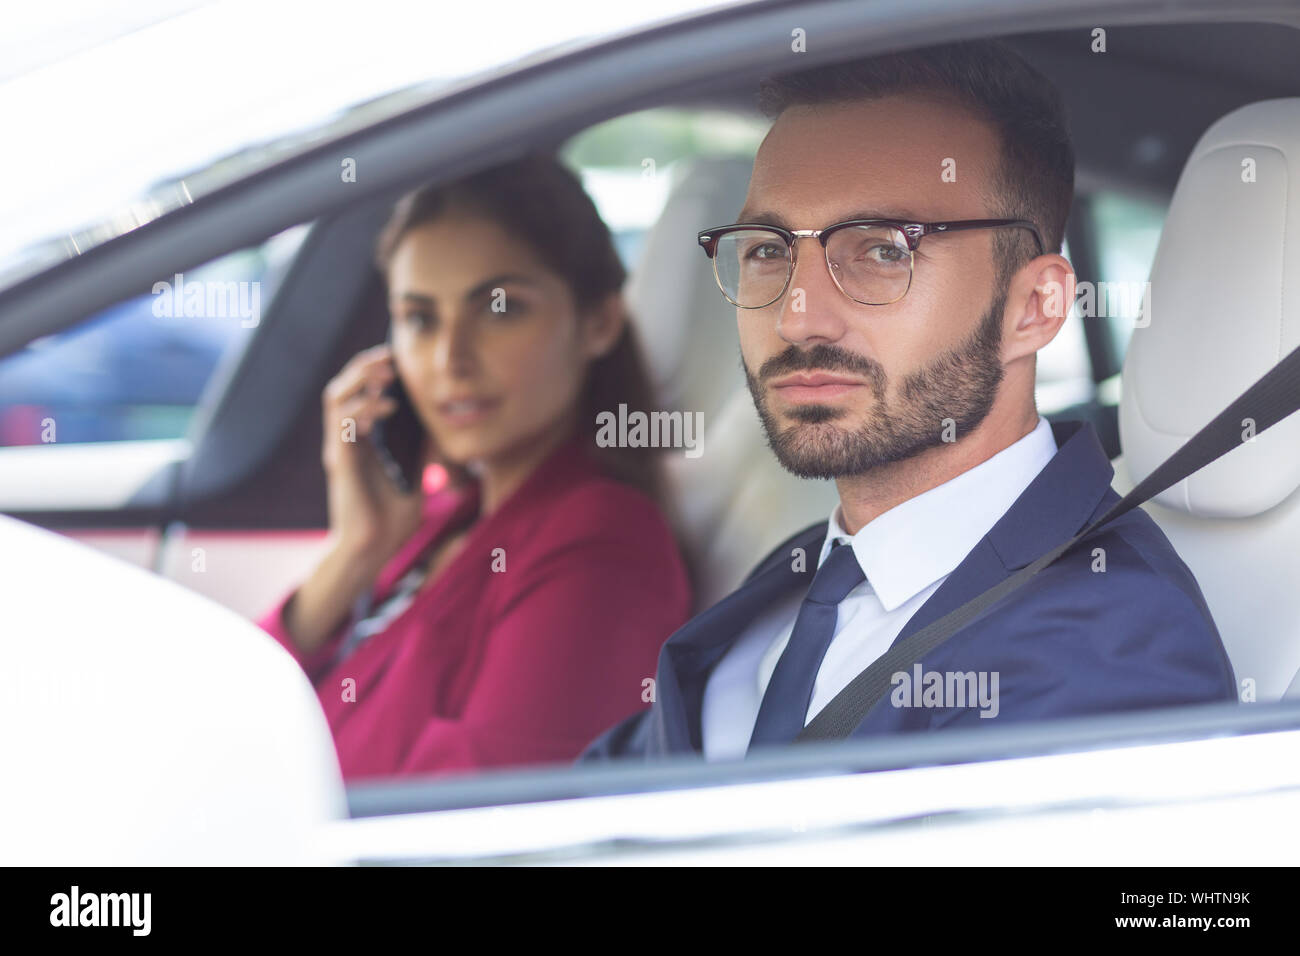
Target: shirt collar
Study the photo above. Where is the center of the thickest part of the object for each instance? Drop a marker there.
(923, 539)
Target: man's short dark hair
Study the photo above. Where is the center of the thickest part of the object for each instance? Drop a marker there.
(1035, 178)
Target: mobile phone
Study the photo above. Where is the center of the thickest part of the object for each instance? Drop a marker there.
(399, 439)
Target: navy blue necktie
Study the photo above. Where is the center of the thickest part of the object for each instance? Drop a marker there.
(789, 692)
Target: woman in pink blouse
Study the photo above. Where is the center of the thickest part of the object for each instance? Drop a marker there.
(511, 614)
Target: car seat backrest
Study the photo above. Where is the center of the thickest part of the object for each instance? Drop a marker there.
(734, 501)
(1224, 307)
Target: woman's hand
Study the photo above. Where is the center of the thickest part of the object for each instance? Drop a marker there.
(369, 517)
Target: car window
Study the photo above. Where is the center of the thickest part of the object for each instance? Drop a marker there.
(1128, 231)
(1064, 372)
(628, 164)
(136, 370)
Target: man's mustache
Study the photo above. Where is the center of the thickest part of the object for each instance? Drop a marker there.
(822, 358)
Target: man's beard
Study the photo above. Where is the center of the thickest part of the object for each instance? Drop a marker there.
(960, 385)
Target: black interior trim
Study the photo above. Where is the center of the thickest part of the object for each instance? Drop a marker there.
(256, 461)
(1081, 234)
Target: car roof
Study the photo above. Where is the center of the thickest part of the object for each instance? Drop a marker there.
(302, 78)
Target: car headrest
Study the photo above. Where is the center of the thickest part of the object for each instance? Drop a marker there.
(687, 329)
(1224, 308)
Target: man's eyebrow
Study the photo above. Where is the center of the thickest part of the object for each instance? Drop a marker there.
(776, 219)
(766, 218)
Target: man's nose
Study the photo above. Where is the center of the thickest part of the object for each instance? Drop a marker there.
(810, 310)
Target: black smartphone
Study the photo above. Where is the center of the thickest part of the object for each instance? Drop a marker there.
(399, 439)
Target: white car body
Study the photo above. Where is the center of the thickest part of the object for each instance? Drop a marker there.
(143, 724)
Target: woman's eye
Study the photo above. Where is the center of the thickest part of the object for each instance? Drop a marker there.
(504, 308)
(420, 321)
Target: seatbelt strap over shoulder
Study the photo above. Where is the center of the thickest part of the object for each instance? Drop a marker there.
(1271, 399)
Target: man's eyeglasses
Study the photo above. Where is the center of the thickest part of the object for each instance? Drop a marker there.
(869, 259)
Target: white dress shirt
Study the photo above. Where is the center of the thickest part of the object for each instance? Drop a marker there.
(907, 553)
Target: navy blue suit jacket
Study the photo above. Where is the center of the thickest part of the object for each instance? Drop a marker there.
(1072, 641)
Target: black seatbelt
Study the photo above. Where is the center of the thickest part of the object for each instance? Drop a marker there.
(1271, 399)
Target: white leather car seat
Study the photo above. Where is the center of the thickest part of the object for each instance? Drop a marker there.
(1225, 307)
(734, 502)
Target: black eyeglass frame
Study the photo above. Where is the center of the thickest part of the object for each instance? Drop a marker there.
(913, 233)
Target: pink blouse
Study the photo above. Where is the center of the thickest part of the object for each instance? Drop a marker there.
(537, 636)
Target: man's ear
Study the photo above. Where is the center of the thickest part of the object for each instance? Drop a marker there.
(1042, 295)
(601, 325)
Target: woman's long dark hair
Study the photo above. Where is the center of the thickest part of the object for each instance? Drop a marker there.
(540, 201)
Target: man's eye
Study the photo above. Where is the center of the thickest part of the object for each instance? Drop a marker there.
(419, 320)
(886, 252)
(768, 250)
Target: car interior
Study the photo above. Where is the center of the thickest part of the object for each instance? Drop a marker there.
(1158, 120)
(1237, 552)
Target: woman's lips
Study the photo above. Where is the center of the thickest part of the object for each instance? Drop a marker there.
(462, 412)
